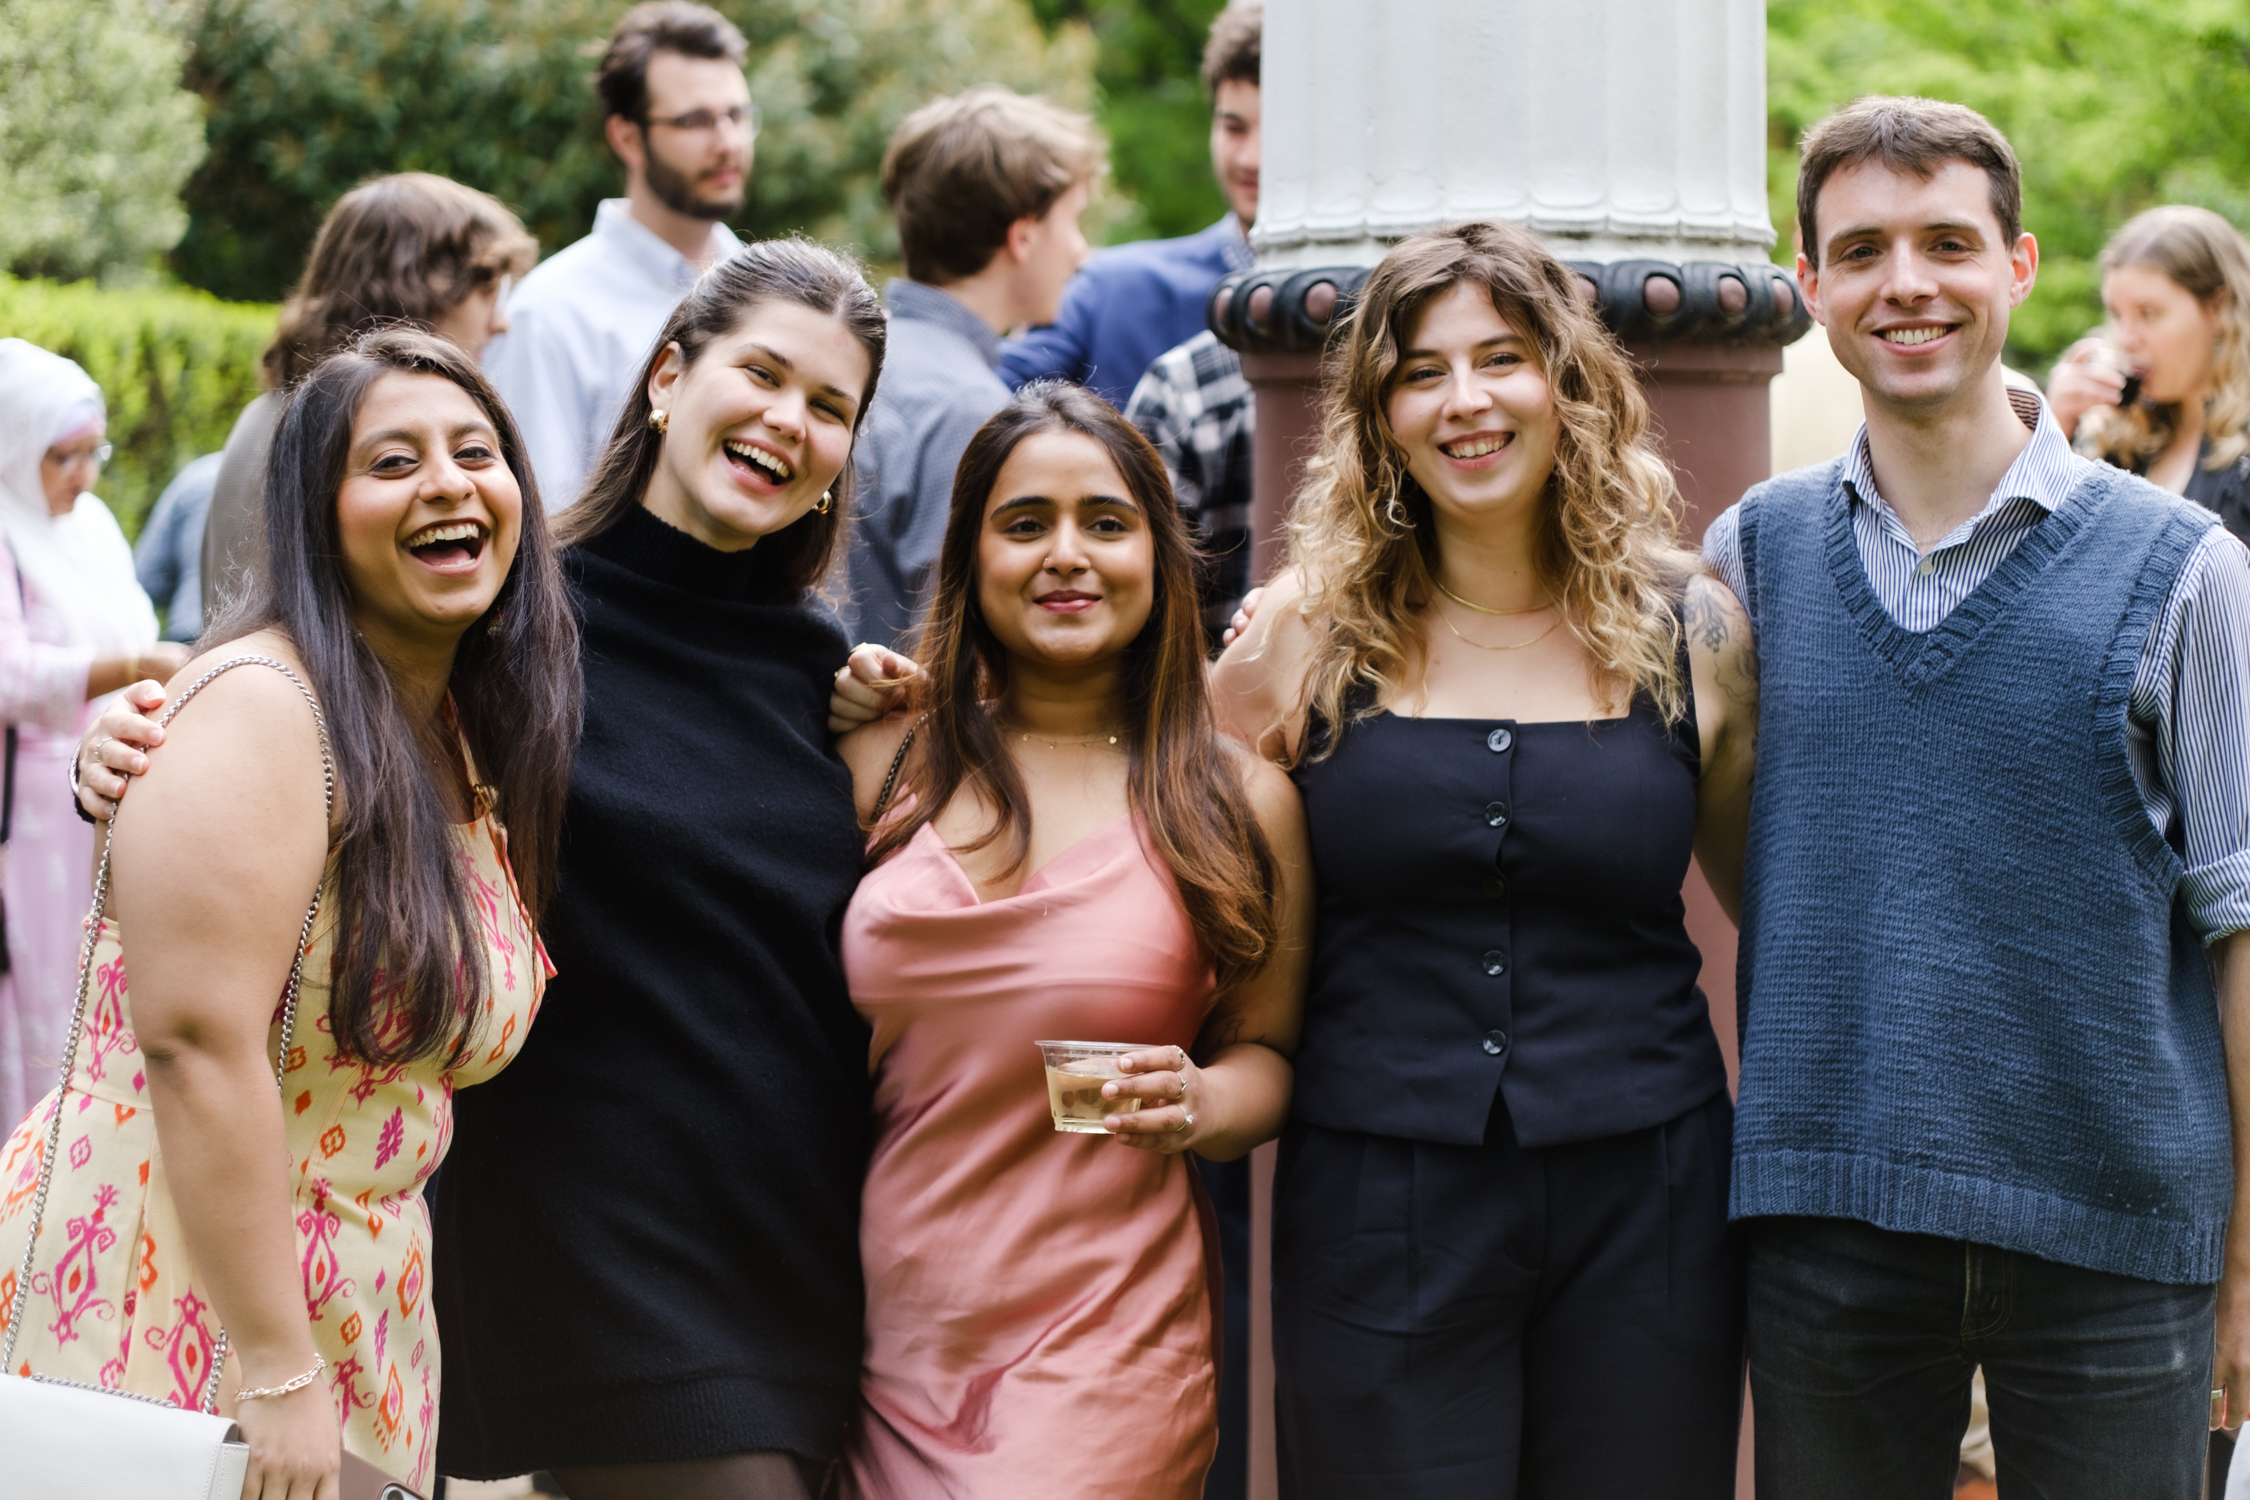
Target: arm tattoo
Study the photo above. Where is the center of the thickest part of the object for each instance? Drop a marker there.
(1734, 656)
(1706, 622)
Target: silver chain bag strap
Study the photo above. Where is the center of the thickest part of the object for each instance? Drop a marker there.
(60, 1437)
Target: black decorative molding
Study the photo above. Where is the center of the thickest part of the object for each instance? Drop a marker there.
(1642, 301)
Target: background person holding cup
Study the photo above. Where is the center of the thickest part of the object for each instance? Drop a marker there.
(1064, 846)
(2164, 388)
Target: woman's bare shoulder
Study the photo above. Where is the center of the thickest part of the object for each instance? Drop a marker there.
(248, 718)
(270, 645)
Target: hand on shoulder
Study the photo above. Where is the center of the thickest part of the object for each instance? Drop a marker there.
(1258, 683)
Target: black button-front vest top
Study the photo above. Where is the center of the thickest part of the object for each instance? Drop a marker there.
(1500, 910)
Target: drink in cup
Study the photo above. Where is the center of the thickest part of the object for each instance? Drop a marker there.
(2109, 356)
(1076, 1072)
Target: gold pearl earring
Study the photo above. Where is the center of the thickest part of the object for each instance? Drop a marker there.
(825, 503)
(658, 421)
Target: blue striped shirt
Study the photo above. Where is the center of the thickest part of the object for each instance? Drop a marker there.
(2188, 720)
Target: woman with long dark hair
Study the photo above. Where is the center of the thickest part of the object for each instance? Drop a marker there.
(647, 1234)
(406, 678)
(1070, 850)
(1514, 709)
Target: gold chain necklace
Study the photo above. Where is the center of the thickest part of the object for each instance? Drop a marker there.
(1480, 609)
(1027, 738)
(1517, 646)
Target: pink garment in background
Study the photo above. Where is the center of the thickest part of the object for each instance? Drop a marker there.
(48, 882)
(1039, 1306)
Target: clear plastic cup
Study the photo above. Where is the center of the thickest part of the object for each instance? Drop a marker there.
(1076, 1072)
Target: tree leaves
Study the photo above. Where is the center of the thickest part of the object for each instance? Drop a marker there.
(96, 135)
(308, 97)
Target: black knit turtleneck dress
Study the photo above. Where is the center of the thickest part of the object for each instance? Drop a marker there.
(647, 1238)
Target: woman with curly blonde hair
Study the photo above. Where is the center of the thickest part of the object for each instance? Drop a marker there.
(2164, 388)
(1514, 710)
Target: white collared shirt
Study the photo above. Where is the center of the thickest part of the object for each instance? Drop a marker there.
(579, 329)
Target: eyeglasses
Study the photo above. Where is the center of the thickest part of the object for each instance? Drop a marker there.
(743, 117)
(96, 455)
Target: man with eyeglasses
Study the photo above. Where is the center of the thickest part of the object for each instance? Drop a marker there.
(678, 114)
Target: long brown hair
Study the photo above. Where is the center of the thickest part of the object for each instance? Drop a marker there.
(2204, 256)
(408, 978)
(1184, 777)
(407, 248)
(1363, 533)
(793, 271)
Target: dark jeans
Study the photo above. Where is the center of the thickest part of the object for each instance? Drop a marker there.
(1500, 1323)
(1862, 1343)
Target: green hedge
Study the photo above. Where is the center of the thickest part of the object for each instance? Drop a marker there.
(176, 367)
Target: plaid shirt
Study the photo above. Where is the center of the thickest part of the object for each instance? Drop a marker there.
(1195, 406)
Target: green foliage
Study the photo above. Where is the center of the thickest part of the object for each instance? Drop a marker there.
(176, 368)
(96, 135)
(308, 97)
(1153, 107)
(2112, 106)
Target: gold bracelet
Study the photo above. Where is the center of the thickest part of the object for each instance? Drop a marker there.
(287, 1387)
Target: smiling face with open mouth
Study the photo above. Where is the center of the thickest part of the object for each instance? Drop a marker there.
(1916, 280)
(428, 514)
(758, 427)
(1470, 407)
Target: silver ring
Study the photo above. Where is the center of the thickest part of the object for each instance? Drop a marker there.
(1186, 1121)
(1183, 1062)
(94, 750)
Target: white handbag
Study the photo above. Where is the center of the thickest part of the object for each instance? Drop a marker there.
(59, 1438)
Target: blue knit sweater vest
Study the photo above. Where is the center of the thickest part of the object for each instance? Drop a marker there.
(1972, 1003)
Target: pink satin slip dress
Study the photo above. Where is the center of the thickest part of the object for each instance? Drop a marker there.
(1040, 1306)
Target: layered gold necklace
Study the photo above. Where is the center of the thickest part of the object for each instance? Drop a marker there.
(1496, 614)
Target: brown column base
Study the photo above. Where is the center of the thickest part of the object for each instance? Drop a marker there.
(1288, 426)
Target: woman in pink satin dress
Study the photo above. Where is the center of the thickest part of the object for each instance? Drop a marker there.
(1064, 847)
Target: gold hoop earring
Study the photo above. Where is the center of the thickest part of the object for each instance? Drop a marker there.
(658, 421)
(825, 504)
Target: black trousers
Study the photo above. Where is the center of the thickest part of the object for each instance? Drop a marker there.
(1493, 1322)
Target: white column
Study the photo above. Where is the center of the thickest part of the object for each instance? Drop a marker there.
(1618, 129)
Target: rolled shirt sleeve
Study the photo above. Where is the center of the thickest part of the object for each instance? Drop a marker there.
(2191, 706)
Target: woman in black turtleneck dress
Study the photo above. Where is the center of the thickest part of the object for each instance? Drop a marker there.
(647, 1245)
(647, 1254)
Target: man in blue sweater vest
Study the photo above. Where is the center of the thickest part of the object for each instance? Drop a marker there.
(1993, 964)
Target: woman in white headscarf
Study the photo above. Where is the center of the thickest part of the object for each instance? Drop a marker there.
(74, 627)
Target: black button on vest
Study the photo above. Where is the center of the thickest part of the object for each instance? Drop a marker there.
(1513, 884)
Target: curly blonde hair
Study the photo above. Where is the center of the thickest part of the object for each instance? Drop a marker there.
(2205, 256)
(1362, 535)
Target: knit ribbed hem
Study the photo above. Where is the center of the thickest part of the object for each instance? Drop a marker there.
(1923, 1200)
(641, 1424)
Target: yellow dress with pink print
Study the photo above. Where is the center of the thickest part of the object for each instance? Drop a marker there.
(115, 1300)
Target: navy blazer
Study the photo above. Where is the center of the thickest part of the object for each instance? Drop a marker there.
(1127, 305)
